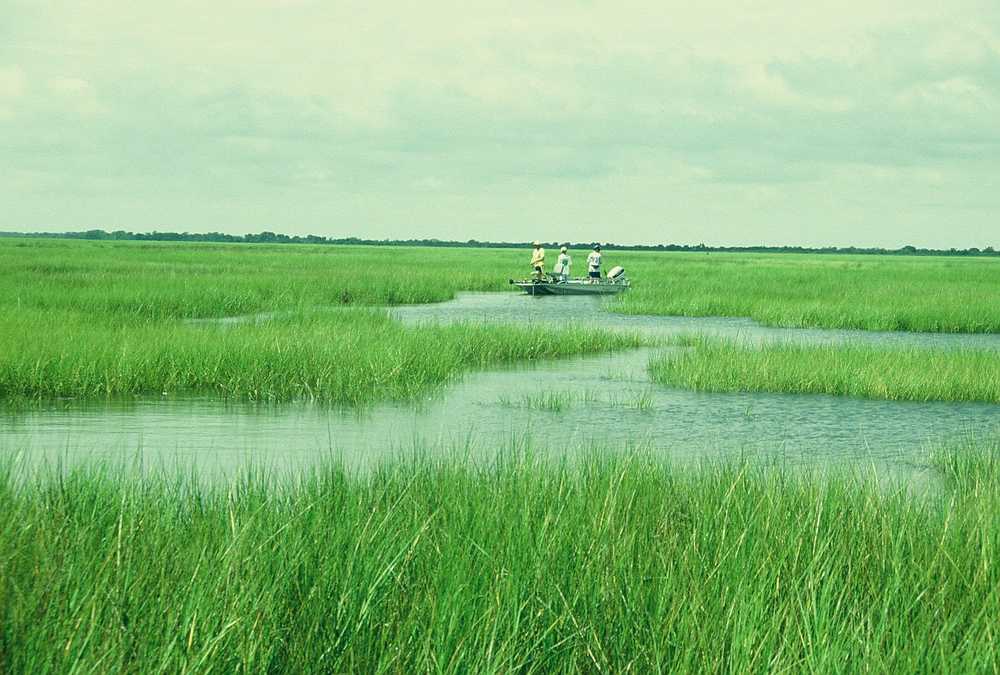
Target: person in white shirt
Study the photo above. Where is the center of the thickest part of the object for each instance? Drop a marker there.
(594, 263)
(562, 265)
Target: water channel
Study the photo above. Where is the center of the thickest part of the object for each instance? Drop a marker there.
(605, 401)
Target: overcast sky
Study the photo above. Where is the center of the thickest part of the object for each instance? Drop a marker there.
(724, 122)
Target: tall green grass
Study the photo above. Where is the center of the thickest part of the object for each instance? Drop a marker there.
(904, 374)
(561, 400)
(606, 564)
(88, 319)
(350, 356)
(196, 280)
(166, 281)
(941, 295)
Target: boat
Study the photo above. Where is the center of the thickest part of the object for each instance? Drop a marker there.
(615, 282)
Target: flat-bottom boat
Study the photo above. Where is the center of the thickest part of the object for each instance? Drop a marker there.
(616, 282)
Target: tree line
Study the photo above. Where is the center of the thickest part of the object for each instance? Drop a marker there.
(267, 237)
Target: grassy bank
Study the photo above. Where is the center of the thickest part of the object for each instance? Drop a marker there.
(167, 281)
(347, 356)
(915, 374)
(828, 291)
(610, 564)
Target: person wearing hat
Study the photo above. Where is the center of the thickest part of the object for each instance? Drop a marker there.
(538, 261)
(594, 263)
(562, 265)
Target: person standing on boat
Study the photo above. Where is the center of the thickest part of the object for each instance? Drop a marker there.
(538, 261)
(594, 263)
(562, 265)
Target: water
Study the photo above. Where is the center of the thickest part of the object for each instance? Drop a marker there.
(600, 401)
(556, 311)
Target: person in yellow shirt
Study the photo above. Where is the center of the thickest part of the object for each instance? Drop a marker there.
(538, 261)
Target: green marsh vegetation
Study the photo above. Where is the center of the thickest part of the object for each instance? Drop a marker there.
(189, 280)
(110, 321)
(633, 400)
(99, 319)
(559, 401)
(353, 356)
(608, 562)
(547, 401)
(925, 294)
(143, 282)
(867, 371)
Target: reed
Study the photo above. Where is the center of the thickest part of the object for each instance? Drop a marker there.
(632, 400)
(610, 562)
(883, 293)
(138, 282)
(904, 374)
(550, 401)
(350, 356)
(130, 279)
(98, 319)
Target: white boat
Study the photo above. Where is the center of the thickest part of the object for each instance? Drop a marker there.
(615, 282)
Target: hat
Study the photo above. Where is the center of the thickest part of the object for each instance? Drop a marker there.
(597, 247)
(535, 243)
(562, 250)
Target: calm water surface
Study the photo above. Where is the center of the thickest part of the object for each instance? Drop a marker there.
(558, 406)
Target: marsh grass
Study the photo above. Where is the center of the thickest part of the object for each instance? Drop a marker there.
(161, 280)
(632, 400)
(133, 282)
(608, 562)
(561, 401)
(113, 321)
(549, 401)
(99, 319)
(882, 293)
(354, 356)
(970, 469)
(893, 373)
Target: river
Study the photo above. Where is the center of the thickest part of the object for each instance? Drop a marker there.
(561, 406)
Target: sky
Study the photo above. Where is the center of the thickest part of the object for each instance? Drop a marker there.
(723, 122)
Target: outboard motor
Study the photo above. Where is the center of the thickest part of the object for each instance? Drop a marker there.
(616, 274)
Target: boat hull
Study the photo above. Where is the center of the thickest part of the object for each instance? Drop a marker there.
(570, 287)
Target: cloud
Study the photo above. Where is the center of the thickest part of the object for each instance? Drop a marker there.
(12, 83)
(75, 95)
(12, 87)
(422, 118)
(770, 88)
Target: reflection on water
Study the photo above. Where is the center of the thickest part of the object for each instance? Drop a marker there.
(558, 405)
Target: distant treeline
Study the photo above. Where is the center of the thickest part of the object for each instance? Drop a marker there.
(273, 238)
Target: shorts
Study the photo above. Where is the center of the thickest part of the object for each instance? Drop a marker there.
(594, 275)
